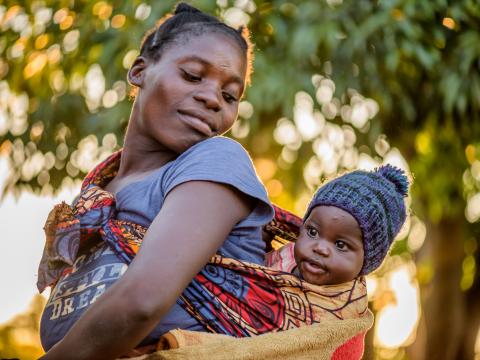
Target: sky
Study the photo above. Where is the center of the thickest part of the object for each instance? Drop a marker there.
(22, 239)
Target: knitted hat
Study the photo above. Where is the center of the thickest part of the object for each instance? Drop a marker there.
(375, 200)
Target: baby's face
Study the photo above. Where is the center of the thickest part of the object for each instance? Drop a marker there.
(329, 249)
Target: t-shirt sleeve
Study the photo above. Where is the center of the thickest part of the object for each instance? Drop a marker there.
(221, 160)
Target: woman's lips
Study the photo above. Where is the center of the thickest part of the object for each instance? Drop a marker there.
(197, 124)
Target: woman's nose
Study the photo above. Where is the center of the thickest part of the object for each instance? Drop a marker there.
(210, 97)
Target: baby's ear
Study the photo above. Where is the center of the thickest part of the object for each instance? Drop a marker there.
(136, 74)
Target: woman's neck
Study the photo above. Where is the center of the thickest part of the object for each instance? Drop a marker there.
(141, 153)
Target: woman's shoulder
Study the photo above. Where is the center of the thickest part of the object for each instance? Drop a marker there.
(217, 143)
(219, 149)
(218, 159)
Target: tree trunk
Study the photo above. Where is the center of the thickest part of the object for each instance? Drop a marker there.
(472, 321)
(443, 301)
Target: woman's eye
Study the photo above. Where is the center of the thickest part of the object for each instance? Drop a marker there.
(341, 245)
(229, 98)
(191, 77)
(312, 232)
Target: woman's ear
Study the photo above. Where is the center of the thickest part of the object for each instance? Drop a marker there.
(136, 73)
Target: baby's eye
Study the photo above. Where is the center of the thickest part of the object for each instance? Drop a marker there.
(312, 232)
(191, 77)
(341, 245)
(229, 98)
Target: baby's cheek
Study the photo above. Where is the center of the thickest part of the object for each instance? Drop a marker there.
(298, 249)
(360, 260)
(301, 242)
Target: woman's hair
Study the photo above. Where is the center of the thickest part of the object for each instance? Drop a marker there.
(187, 21)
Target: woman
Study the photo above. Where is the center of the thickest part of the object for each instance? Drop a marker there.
(197, 194)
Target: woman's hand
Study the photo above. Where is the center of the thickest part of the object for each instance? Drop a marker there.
(194, 221)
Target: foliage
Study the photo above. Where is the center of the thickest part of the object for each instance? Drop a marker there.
(417, 60)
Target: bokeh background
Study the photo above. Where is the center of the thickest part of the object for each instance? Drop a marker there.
(338, 85)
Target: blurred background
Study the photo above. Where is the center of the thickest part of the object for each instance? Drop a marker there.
(338, 85)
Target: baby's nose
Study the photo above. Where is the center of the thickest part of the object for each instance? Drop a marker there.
(322, 248)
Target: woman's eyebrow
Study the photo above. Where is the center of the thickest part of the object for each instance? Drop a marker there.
(206, 63)
(195, 58)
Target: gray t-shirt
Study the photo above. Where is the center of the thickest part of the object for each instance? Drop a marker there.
(218, 159)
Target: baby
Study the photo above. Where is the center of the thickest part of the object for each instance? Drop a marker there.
(348, 228)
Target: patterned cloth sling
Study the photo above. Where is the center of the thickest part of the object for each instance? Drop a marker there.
(227, 296)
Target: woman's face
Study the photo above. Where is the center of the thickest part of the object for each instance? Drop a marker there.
(191, 93)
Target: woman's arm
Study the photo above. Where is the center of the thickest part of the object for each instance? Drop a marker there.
(194, 221)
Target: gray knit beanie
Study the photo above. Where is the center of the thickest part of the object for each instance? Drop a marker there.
(376, 200)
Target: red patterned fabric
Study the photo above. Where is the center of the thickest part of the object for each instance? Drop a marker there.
(350, 350)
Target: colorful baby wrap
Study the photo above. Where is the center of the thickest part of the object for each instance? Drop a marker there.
(227, 296)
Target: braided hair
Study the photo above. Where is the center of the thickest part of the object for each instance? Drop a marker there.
(187, 21)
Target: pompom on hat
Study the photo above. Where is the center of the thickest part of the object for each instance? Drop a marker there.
(376, 200)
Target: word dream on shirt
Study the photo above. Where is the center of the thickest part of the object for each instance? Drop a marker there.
(74, 292)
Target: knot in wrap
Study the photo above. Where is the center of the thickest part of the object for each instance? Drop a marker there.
(92, 218)
(68, 228)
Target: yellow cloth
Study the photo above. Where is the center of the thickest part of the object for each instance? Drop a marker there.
(317, 341)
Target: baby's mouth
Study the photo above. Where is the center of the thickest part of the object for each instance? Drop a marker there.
(315, 267)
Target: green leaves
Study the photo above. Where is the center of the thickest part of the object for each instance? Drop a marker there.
(417, 60)
(450, 86)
